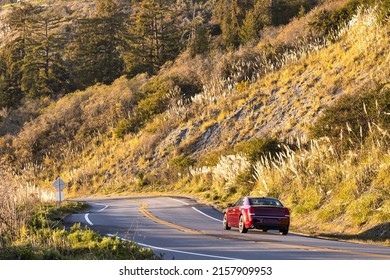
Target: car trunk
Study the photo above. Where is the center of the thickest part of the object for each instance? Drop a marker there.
(268, 211)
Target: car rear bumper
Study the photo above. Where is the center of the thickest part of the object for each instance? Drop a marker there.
(266, 222)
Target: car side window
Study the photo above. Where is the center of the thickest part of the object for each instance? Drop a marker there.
(239, 202)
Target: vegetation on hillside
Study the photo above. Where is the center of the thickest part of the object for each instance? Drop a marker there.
(44, 237)
(51, 49)
(233, 98)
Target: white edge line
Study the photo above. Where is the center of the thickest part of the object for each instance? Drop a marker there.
(204, 214)
(87, 215)
(175, 251)
(179, 201)
(165, 249)
(87, 219)
(103, 209)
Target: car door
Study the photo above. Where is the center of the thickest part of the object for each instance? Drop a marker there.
(235, 212)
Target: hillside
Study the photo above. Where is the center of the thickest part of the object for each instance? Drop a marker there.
(230, 123)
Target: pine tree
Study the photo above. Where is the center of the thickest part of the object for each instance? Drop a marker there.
(195, 35)
(284, 10)
(255, 20)
(10, 94)
(43, 69)
(199, 44)
(231, 25)
(19, 22)
(34, 59)
(95, 50)
(230, 14)
(155, 36)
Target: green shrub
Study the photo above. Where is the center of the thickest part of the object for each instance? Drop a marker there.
(384, 10)
(330, 212)
(309, 200)
(124, 127)
(153, 104)
(180, 164)
(182, 161)
(328, 21)
(153, 99)
(349, 119)
(361, 209)
(141, 180)
(256, 148)
(189, 86)
(44, 238)
(285, 10)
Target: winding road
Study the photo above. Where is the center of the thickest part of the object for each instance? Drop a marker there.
(179, 228)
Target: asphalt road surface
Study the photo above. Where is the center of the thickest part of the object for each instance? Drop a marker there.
(178, 228)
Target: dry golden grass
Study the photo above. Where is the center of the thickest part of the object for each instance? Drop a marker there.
(244, 95)
(19, 195)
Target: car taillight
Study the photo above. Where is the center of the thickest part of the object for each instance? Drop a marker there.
(286, 212)
(251, 211)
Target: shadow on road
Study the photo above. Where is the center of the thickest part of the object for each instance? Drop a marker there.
(380, 233)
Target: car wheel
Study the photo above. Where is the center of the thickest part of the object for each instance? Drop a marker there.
(264, 230)
(225, 223)
(284, 232)
(241, 226)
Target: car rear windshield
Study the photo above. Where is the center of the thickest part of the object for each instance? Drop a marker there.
(265, 202)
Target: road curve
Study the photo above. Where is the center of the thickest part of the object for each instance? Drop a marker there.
(179, 228)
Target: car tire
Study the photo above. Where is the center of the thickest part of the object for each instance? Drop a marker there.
(225, 223)
(264, 230)
(241, 225)
(284, 231)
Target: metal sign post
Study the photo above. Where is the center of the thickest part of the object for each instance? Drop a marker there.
(59, 184)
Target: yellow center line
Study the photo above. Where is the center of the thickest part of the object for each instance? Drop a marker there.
(144, 210)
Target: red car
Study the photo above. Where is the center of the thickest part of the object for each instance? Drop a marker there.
(257, 212)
